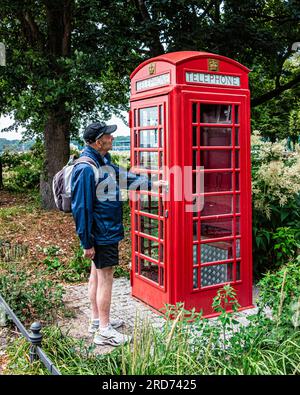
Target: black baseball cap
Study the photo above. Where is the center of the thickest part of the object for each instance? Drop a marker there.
(96, 130)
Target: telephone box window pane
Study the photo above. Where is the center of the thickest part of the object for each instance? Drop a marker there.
(215, 159)
(237, 203)
(213, 228)
(149, 160)
(149, 226)
(195, 159)
(195, 230)
(237, 159)
(161, 280)
(136, 243)
(149, 204)
(216, 274)
(195, 136)
(195, 278)
(237, 117)
(237, 226)
(237, 181)
(148, 116)
(149, 138)
(217, 182)
(134, 119)
(136, 268)
(195, 254)
(238, 248)
(149, 270)
(161, 158)
(135, 139)
(194, 112)
(215, 113)
(161, 115)
(237, 136)
(161, 144)
(215, 137)
(161, 234)
(149, 248)
(214, 252)
(215, 205)
(161, 253)
(238, 271)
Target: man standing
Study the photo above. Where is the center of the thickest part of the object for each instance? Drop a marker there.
(98, 219)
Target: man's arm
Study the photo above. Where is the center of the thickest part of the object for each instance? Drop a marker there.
(83, 196)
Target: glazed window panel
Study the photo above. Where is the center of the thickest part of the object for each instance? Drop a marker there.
(237, 115)
(216, 159)
(149, 270)
(149, 138)
(217, 251)
(216, 205)
(215, 137)
(213, 228)
(149, 204)
(149, 226)
(218, 182)
(150, 248)
(215, 113)
(148, 116)
(216, 274)
(149, 160)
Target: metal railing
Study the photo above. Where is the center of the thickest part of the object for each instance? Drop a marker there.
(34, 337)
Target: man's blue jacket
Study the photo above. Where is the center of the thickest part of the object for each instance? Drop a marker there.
(96, 206)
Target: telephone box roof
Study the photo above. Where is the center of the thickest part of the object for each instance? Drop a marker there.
(176, 58)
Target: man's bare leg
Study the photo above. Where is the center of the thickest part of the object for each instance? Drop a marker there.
(92, 291)
(104, 292)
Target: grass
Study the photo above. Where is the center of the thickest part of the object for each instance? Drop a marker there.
(179, 348)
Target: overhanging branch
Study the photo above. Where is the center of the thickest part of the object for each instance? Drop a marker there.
(275, 92)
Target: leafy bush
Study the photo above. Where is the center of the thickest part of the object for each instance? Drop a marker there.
(77, 269)
(31, 296)
(280, 291)
(276, 203)
(186, 344)
(22, 170)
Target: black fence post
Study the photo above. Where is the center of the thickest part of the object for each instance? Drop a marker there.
(35, 337)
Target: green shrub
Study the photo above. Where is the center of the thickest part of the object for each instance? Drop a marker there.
(30, 295)
(280, 290)
(186, 344)
(276, 202)
(21, 170)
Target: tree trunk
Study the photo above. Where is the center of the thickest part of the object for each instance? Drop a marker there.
(57, 151)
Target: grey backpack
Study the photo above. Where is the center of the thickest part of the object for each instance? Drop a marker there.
(61, 184)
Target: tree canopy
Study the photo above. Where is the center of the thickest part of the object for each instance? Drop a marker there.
(69, 61)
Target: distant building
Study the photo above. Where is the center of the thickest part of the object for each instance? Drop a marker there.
(121, 143)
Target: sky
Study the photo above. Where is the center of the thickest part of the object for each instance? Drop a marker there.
(123, 130)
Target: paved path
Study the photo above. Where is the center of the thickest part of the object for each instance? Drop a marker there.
(123, 306)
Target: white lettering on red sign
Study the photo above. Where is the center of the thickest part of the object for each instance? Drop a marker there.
(215, 79)
(163, 79)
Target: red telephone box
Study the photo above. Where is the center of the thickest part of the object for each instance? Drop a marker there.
(191, 111)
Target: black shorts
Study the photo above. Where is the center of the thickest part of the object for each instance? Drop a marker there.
(106, 255)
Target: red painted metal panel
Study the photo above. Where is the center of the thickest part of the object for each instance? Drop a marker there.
(202, 251)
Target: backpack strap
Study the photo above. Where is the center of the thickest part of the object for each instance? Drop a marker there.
(91, 162)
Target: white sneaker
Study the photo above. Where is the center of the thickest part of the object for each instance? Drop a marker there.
(114, 322)
(110, 336)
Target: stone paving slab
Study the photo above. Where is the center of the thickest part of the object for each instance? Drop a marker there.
(123, 306)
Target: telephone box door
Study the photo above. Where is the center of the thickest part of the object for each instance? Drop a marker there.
(219, 244)
(149, 262)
